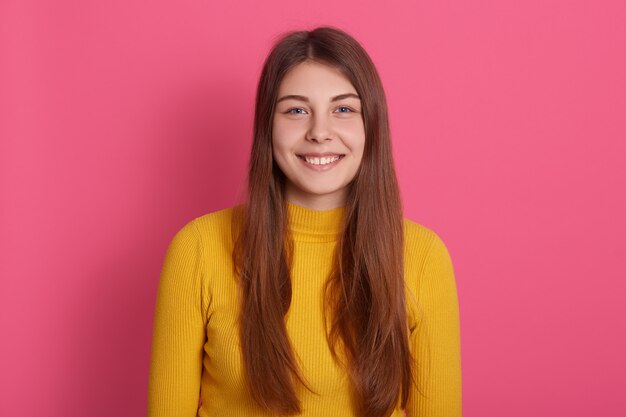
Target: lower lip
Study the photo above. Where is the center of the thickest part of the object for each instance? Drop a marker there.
(321, 167)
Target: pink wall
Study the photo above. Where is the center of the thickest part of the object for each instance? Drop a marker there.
(120, 121)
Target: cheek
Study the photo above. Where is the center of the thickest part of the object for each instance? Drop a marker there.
(280, 150)
(354, 138)
(283, 137)
(278, 137)
(279, 147)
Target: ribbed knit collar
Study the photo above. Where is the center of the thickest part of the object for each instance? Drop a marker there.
(308, 225)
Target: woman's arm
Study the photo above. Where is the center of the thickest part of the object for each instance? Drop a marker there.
(179, 330)
(436, 340)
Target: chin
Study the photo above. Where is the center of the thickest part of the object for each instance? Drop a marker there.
(316, 190)
(321, 191)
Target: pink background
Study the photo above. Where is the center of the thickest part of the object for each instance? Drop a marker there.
(122, 120)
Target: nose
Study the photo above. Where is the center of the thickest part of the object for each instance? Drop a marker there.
(319, 129)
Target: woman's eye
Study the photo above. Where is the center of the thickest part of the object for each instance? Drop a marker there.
(344, 109)
(295, 110)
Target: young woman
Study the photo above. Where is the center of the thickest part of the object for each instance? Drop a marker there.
(315, 297)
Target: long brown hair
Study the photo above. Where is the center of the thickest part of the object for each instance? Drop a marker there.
(365, 298)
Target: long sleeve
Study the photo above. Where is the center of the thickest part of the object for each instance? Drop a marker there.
(179, 329)
(437, 339)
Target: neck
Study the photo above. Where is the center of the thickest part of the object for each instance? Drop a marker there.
(311, 225)
(329, 201)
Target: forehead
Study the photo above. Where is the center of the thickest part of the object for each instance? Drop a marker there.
(313, 78)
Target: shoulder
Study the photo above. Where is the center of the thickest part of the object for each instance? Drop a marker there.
(201, 245)
(428, 263)
(429, 274)
(417, 231)
(214, 221)
(422, 242)
(206, 230)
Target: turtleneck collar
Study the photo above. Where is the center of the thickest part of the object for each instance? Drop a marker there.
(308, 225)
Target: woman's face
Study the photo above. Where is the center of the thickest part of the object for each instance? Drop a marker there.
(318, 135)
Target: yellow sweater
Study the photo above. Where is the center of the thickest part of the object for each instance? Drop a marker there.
(195, 347)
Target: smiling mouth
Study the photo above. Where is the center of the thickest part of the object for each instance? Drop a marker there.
(321, 160)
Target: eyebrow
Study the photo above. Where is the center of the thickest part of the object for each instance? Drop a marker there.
(306, 99)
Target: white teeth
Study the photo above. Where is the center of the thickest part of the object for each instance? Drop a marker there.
(321, 161)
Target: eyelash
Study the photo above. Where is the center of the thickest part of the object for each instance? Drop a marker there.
(300, 108)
